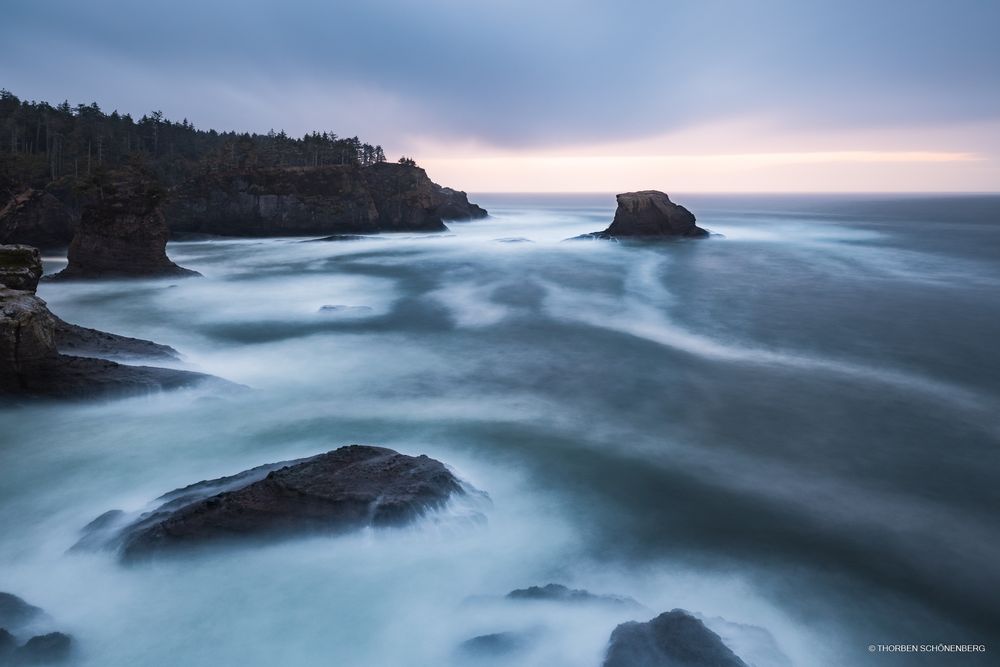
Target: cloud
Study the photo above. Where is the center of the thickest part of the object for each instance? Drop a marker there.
(514, 73)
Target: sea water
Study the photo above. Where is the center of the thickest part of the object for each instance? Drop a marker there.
(790, 429)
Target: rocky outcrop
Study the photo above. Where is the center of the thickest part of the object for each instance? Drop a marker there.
(85, 342)
(325, 200)
(122, 231)
(344, 489)
(20, 267)
(560, 593)
(37, 218)
(672, 639)
(33, 343)
(649, 214)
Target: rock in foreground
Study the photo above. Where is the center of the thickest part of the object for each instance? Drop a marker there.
(672, 639)
(345, 489)
(649, 214)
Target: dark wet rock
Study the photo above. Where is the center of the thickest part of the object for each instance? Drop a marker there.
(344, 489)
(20, 267)
(31, 365)
(85, 342)
(672, 639)
(560, 593)
(345, 310)
(340, 201)
(649, 214)
(339, 237)
(37, 218)
(122, 231)
(15, 613)
(7, 645)
(46, 649)
(497, 644)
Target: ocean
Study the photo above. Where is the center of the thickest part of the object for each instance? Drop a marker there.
(790, 428)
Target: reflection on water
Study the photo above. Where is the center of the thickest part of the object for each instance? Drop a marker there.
(790, 427)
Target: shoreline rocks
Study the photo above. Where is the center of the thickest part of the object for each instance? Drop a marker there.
(33, 342)
(649, 215)
(344, 489)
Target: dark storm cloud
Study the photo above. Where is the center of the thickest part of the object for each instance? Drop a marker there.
(512, 73)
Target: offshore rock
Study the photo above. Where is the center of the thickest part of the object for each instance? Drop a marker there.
(345, 489)
(649, 214)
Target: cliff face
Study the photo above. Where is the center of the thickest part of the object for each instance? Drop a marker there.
(37, 218)
(316, 200)
(122, 232)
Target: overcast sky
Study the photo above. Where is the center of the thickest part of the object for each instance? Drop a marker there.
(774, 95)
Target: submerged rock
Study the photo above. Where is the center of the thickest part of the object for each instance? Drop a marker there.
(672, 639)
(15, 613)
(122, 231)
(7, 645)
(345, 310)
(345, 489)
(20, 267)
(37, 218)
(496, 645)
(560, 593)
(19, 616)
(43, 650)
(649, 214)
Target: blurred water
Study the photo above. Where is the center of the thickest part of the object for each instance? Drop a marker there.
(791, 426)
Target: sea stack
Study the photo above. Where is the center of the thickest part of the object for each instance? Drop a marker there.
(122, 231)
(649, 214)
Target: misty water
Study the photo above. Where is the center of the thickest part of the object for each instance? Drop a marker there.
(791, 426)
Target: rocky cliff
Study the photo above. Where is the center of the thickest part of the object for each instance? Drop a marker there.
(323, 200)
(38, 218)
(122, 231)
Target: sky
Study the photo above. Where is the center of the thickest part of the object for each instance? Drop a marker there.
(557, 95)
